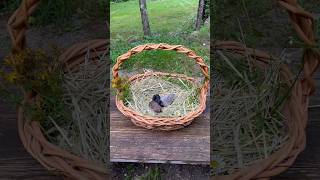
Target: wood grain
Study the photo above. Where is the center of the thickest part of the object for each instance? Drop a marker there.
(129, 143)
(307, 165)
(16, 163)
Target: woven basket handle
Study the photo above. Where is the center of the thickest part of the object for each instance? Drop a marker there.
(18, 22)
(178, 48)
(303, 23)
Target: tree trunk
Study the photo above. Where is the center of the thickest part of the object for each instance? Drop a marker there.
(200, 14)
(144, 18)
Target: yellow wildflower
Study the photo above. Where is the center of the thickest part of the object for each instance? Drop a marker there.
(12, 77)
(214, 164)
(116, 83)
(44, 75)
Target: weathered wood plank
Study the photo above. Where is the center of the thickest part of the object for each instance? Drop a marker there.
(129, 143)
(15, 162)
(307, 164)
(22, 167)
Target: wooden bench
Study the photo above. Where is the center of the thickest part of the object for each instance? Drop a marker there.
(130, 143)
(16, 163)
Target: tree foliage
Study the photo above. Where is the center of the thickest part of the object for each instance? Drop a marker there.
(117, 1)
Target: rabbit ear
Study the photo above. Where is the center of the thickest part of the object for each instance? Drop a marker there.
(156, 97)
(168, 99)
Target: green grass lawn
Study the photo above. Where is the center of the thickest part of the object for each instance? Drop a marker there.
(259, 23)
(171, 21)
(59, 12)
(164, 16)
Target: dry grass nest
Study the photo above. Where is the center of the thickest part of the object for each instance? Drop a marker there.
(83, 131)
(70, 105)
(248, 124)
(142, 90)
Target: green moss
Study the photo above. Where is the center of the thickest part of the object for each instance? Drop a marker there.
(152, 174)
(36, 72)
(125, 94)
(126, 33)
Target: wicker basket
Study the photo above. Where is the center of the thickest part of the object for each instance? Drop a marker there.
(296, 106)
(49, 155)
(162, 123)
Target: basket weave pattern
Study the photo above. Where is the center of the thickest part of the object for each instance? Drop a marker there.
(303, 23)
(58, 160)
(162, 123)
(49, 155)
(296, 108)
(295, 113)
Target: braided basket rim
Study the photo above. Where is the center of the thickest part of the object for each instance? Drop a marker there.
(49, 155)
(296, 113)
(163, 123)
(154, 120)
(40, 149)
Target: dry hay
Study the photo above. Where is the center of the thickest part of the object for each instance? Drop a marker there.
(246, 110)
(142, 90)
(86, 98)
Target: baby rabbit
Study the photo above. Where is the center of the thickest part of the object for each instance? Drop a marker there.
(158, 102)
(155, 106)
